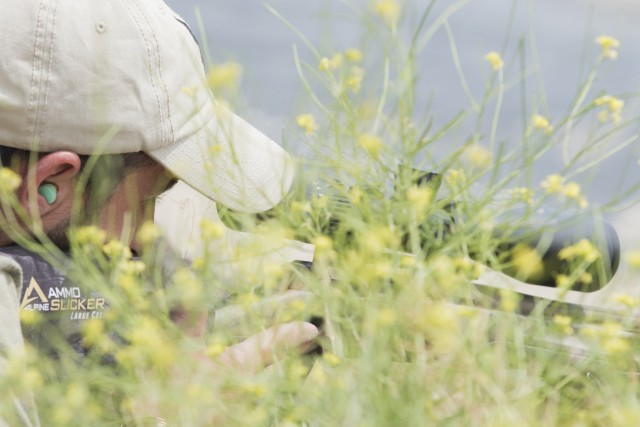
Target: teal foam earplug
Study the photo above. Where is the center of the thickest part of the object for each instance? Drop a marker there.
(49, 192)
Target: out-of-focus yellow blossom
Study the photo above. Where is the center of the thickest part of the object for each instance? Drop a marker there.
(386, 316)
(330, 64)
(509, 300)
(633, 259)
(332, 359)
(116, 249)
(93, 330)
(541, 122)
(563, 281)
(626, 300)
(495, 60)
(584, 250)
(609, 46)
(441, 325)
(353, 55)
(214, 350)
(212, 230)
(572, 190)
(563, 323)
(190, 91)
(30, 317)
(224, 76)
(355, 195)
(419, 198)
(522, 194)
(372, 144)
(456, 178)
(323, 244)
(215, 149)
(553, 184)
(388, 10)
(148, 233)
(191, 287)
(307, 123)
(586, 278)
(9, 181)
(616, 345)
(354, 79)
(527, 262)
(302, 207)
(90, 235)
(478, 156)
(613, 108)
(132, 267)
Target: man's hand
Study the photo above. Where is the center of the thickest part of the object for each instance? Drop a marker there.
(258, 351)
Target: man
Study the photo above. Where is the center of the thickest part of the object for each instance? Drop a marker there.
(111, 95)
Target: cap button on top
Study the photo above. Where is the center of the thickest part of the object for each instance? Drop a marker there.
(101, 27)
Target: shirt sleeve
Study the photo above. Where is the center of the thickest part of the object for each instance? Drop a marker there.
(15, 410)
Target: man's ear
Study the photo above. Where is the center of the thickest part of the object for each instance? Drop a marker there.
(58, 169)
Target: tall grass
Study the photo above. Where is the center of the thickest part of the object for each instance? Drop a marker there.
(407, 339)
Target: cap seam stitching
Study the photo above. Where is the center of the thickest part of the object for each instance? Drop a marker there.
(31, 121)
(161, 77)
(46, 93)
(149, 57)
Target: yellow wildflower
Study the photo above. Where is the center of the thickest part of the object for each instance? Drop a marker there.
(388, 10)
(116, 249)
(626, 300)
(509, 300)
(331, 359)
(419, 198)
(456, 178)
(522, 194)
(353, 55)
(478, 156)
(633, 259)
(563, 323)
(613, 108)
(9, 181)
(371, 143)
(90, 235)
(553, 184)
(527, 262)
(307, 122)
(323, 244)
(224, 76)
(148, 233)
(212, 230)
(354, 79)
(572, 190)
(541, 122)
(609, 46)
(330, 64)
(495, 60)
(563, 281)
(584, 249)
(386, 316)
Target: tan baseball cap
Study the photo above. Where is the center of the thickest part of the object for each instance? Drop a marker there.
(75, 71)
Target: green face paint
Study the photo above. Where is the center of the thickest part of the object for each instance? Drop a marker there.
(49, 192)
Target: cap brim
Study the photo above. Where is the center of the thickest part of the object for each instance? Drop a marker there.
(231, 162)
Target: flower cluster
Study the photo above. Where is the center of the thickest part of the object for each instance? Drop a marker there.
(554, 184)
(612, 108)
(608, 45)
(495, 60)
(224, 76)
(542, 123)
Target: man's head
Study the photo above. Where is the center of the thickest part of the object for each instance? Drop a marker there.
(111, 186)
(107, 79)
